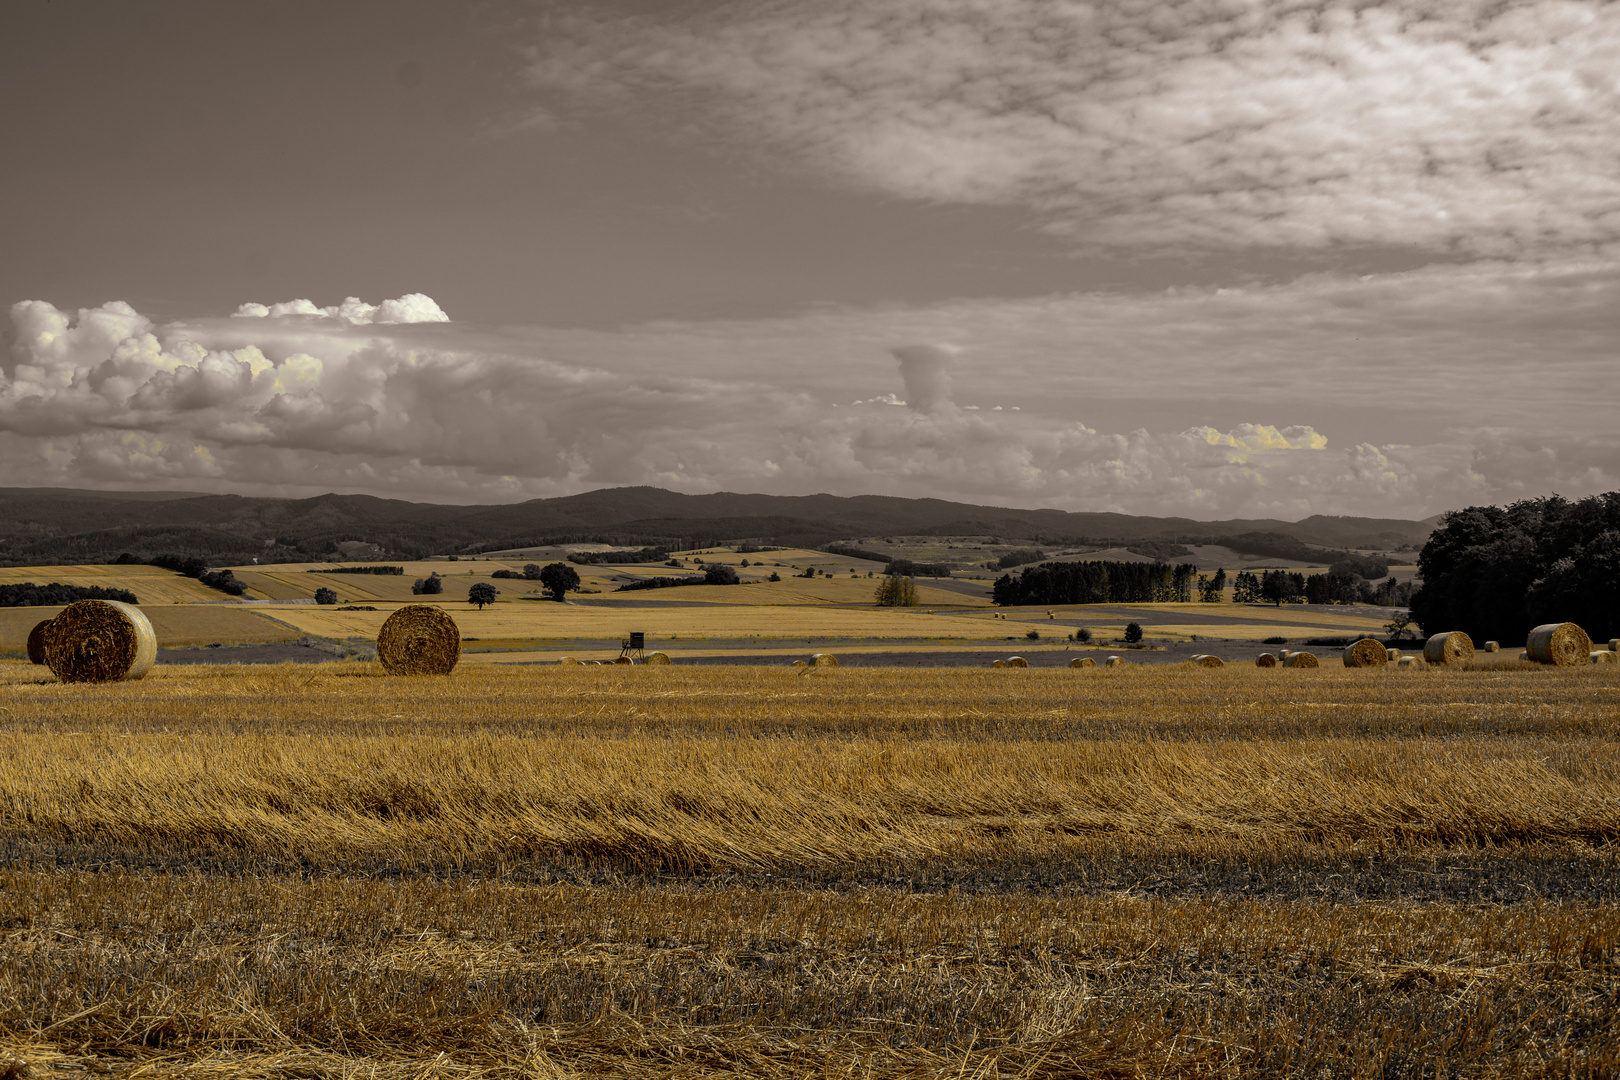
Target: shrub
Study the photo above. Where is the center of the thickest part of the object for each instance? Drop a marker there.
(432, 585)
(1033, 635)
(720, 574)
(1133, 633)
(325, 596)
(1083, 634)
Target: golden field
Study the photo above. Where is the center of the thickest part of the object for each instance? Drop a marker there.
(317, 870)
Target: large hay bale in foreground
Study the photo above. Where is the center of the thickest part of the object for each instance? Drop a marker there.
(1206, 660)
(1366, 653)
(1017, 661)
(1603, 656)
(1301, 660)
(1562, 644)
(1113, 661)
(1082, 661)
(823, 659)
(1451, 647)
(419, 639)
(36, 642)
(656, 658)
(100, 641)
(1265, 659)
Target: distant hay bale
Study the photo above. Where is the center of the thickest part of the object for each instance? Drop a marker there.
(1082, 661)
(1603, 656)
(1409, 661)
(1113, 661)
(1366, 653)
(1493, 646)
(1561, 644)
(1614, 645)
(1284, 655)
(824, 659)
(1392, 654)
(656, 658)
(36, 642)
(100, 641)
(1300, 659)
(1265, 659)
(569, 661)
(800, 663)
(1451, 647)
(624, 660)
(998, 663)
(1017, 661)
(1206, 660)
(419, 639)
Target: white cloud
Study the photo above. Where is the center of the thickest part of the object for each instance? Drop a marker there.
(1468, 126)
(300, 403)
(410, 308)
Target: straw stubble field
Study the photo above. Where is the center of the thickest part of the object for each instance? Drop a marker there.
(665, 871)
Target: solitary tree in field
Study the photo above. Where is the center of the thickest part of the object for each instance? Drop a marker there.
(325, 596)
(1133, 633)
(481, 594)
(531, 572)
(559, 579)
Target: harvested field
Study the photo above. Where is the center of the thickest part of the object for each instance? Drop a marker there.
(175, 625)
(648, 871)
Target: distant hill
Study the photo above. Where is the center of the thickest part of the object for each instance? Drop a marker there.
(55, 525)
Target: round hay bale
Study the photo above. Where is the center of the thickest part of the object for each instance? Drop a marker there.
(1614, 645)
(1603, 656)
(998, 663)
(1300, 659)
(656, 658)
(1265, 659)
(1392, 654)
(1451, 647)
(1410, 661)
(1562, 644)
(824, 659)
(1017, 661)
(419, 639)
(36, 642)
(1285, 654)
(1366, 653)
(800, 663)
(1206, 660)
(1082, 661)
(569, 661)
(624, 660)
(1113, 661)
(100, 641)
(1493, 646)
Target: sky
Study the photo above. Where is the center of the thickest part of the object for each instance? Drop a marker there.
(1213, 259)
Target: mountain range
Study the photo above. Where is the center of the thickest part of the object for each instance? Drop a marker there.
(59, 525)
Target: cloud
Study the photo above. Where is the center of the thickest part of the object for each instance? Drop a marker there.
(410, 308)
(1474, 126)
(302, 403)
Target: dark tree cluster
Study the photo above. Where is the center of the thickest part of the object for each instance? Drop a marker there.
(1096, 582)
(432, 585)
(386, 571)
(641, 555)
(27, 594)
(849, 551)
(907, 568)
(1290, 587)
(193, 567)
(1019, 557)
(1495, 572)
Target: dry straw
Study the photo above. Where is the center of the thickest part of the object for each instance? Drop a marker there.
(1017, 661)
(823, 659)
(1082, 661)
(1562, 644)
(656, 658)
(1206, 660)
(1451, 647)
(1366, 653)
(1265, 659)
(1113, 661)
(1300, 659)
(100, 641)
(36, 642)
(419, 639)
(1602, 656)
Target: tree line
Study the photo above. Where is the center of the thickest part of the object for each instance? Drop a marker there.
(27, 594)
(1494, 572)
(1096, 582)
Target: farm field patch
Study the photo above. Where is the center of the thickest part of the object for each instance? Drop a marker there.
(182, 624)
(743, 872)
(151, 584)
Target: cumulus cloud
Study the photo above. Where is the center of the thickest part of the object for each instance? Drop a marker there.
(410, 308)
(1475, 126)
(301, 402)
